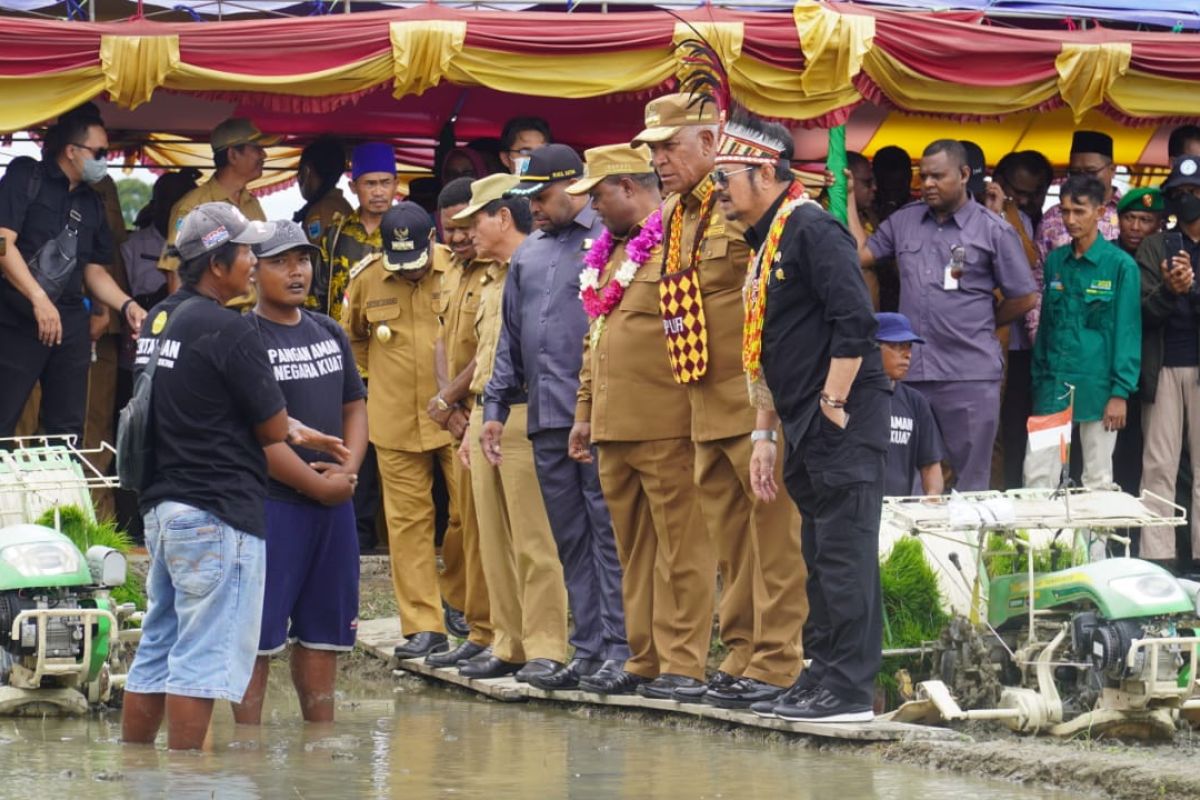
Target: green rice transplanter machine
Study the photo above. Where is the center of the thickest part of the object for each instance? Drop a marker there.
(61, 643)
(1068, 640)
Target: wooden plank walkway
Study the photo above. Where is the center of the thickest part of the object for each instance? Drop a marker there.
(379, 637)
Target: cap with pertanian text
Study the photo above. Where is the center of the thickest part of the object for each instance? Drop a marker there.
(405, 230)
(210, 225)
(553, 162)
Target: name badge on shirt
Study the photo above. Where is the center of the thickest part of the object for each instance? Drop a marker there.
(954, 268)
(1099, 288)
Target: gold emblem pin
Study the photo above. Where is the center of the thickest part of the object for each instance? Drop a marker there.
(160, 322)
(383, 333)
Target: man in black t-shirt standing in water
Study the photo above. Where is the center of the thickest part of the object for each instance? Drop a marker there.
(216, 406)
(311, 593)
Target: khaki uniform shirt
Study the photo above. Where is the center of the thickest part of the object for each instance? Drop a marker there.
(720, 401)
(626, 388)
(488, 321)
(384, 305)
(464, 290)
(208, 192)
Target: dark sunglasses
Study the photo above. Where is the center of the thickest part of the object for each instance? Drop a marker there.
(98, 153)
(721, 177)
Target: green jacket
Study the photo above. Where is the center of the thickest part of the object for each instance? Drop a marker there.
(1158, 303)
(1091, 330)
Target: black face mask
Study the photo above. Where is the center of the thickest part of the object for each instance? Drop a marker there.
(1184, 206)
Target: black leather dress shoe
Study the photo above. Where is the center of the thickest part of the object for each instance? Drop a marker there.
(694, 694)
(422, 644)
(610, 667)
(620, 682)
(565, 677)
(663, 688)
(452, 658)
(456, 621)
(537, 667)
(488, 668)
(743, 693)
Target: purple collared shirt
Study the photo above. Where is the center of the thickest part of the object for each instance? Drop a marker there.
(541, 340)
(958, 325)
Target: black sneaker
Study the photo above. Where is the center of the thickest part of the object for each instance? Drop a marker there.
(798, 693)
(824, 706)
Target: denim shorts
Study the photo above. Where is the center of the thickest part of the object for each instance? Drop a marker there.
(205, 600)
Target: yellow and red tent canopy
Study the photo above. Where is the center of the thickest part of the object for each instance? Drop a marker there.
(404, 72)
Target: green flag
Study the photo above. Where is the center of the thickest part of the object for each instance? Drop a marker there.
(835, 162)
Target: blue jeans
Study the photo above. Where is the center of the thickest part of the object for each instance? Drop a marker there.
(205, 593)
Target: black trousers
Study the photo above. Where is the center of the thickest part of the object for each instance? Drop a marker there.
(835, 478)
(62, 371)
(1015, 408)
(366, 500)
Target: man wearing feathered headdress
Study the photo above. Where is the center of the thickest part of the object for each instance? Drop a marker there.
(705, 260)
(809, 352)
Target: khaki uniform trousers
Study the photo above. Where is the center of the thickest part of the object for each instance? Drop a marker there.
(1176, 401)
(525, 585)
(764, 600)
(464, 585)
(406, 484)
(667, 558)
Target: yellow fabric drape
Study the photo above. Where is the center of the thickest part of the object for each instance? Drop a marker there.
(27, 100)
(915, 92)
(134, 66)
(422, 51)
(1086, 72)
(1140, 94)
(724, 37)
(344, 79)
(833, 44)
(571, 76)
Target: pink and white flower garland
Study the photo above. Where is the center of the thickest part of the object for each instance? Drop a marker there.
(637, 253)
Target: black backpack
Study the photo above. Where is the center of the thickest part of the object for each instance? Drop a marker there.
(135, 428)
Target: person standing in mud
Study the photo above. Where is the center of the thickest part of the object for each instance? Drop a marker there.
(311, 595)
(809, 351)
(216, 405)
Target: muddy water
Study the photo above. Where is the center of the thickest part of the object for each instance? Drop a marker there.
(414, 741)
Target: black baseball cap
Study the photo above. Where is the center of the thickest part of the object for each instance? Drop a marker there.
(553, 162)
(1184, 172)
(405, 230)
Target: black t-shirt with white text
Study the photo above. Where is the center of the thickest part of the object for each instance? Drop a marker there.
(212, 386)
(314, 368)
(915, 442)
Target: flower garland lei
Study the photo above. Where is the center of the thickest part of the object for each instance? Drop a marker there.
(756, 284)
(637, 253)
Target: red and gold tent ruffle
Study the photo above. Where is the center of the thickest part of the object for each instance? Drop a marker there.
(813, 68)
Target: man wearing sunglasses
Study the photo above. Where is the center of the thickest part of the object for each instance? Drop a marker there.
(813, 365)
(705, 258)
(55, 246)
(238, 154)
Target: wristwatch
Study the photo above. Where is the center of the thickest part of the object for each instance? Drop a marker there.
(764, 436)
(441, 403)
